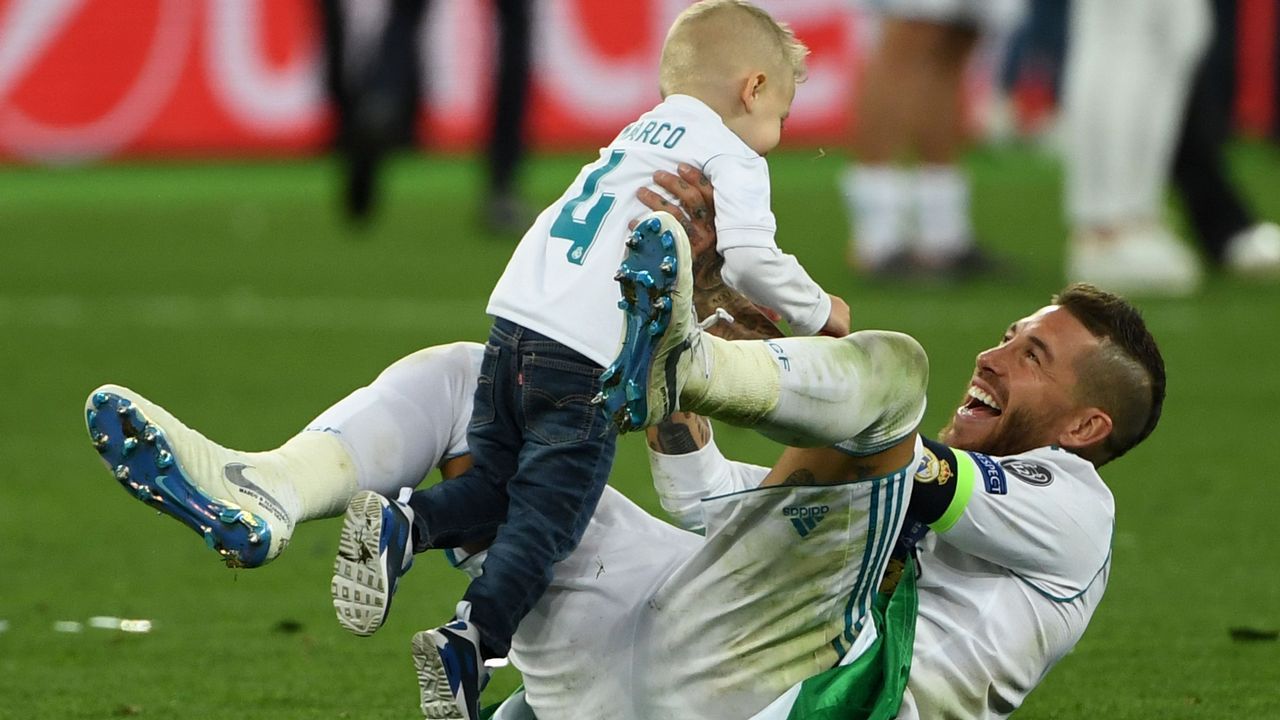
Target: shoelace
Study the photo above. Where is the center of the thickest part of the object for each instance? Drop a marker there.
(710, 321)
(715, 318)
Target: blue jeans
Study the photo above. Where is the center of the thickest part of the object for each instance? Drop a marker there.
(542, 455)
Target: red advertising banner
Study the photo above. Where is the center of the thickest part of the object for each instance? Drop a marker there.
(84, 79)
(87, 79)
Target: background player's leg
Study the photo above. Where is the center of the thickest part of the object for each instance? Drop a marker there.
(1129, 68)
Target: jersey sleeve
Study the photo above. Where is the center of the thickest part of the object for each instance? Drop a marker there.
(743, 211)
(1045, 515)
(683, 481)
(774, 279)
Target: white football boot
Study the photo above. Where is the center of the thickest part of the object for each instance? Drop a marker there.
(222, 494)
(1146, 260)
(1255, 252)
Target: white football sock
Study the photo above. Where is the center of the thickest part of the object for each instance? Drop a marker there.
(311, 475)
(877, 198)
(942, 210)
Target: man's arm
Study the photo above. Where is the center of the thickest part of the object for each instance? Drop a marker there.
(828, 466)
(1045, 515)
(687, 467)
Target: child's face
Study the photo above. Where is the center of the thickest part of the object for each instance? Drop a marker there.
(762, 130)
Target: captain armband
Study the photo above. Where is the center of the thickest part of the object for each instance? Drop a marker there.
(943, 485)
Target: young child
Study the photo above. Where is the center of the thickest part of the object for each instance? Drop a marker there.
(542, 450)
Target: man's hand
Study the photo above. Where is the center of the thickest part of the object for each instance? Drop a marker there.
(838, 321)
(695, 210)
(694, 207)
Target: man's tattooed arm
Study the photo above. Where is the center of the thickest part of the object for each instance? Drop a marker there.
(680, 434)
(801, 476)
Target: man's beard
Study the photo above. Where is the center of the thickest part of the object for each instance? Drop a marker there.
(1017, 433)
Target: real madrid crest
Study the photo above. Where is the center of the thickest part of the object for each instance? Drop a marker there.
(933, 470)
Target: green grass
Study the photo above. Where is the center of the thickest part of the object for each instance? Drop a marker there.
(235, 295)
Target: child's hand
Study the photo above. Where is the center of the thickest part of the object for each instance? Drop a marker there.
(838, 321)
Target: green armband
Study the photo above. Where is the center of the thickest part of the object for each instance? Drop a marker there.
(964, 490)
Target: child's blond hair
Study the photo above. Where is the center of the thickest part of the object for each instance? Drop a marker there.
(714, 39)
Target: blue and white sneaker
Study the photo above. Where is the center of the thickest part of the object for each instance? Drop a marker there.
(642, 385)
(219, 493)
(375, 549)
(451, 672)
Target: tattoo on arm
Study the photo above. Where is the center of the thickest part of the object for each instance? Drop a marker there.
(675, 439)
(800, 477)
(754, 325)
(678, 438)
(711, 292)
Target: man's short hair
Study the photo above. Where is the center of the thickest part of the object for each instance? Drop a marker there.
(751, 30)
(1124, 376)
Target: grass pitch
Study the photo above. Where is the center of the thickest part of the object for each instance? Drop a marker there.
(234, 295)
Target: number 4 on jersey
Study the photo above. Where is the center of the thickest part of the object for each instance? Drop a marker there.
(581, 233)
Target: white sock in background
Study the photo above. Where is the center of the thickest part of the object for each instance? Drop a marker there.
(877, 198)
(942, 211)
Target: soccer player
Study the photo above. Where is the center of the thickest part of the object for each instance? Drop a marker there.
(1022, 520)
(1069, 388)
(1129, 71)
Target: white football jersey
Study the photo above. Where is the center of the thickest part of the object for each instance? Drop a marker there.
(559, 282)
(1008, 582)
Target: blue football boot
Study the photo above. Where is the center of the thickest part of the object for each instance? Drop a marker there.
(219, 493)
(642, 385)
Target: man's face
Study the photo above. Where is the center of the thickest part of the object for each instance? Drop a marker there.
(1022, 393)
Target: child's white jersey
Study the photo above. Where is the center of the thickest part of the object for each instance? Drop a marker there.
(559, 282)
(1008, 584)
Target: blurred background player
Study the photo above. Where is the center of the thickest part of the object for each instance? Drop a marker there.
(1129, 71)
(913, 219)
(1220, 220)
(375, 90)
(542, 449)
(1225, 226)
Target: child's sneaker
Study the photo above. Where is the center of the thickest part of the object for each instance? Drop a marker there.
(451, 672)
(375, 549)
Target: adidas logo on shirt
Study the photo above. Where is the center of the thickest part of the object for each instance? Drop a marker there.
(805, 518)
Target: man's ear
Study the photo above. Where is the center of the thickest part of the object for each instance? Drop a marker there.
(1090, 427)
(751, 90)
